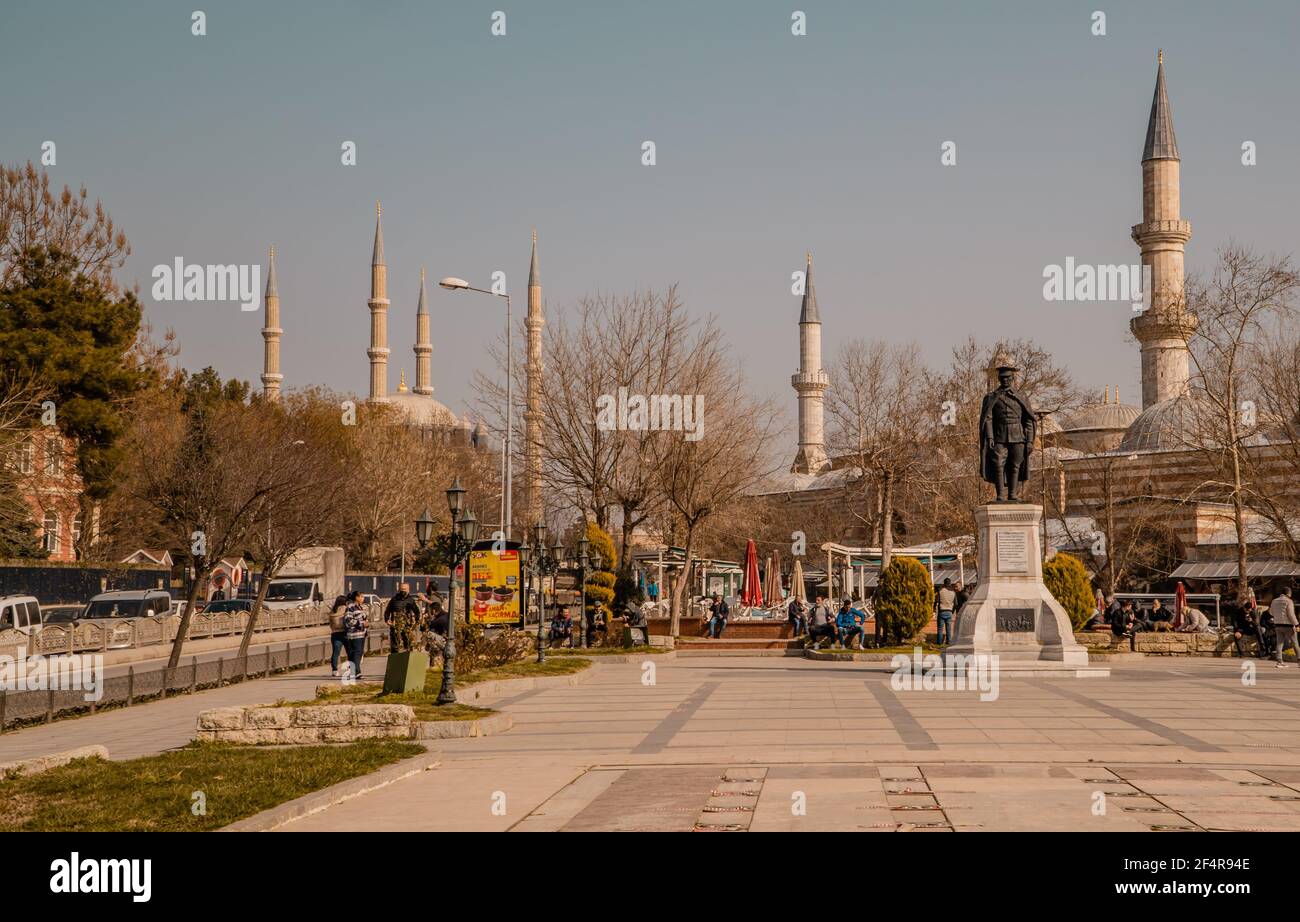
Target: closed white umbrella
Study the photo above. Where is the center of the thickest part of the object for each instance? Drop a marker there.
(796, 582)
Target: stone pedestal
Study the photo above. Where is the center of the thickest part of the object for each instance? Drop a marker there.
(1011, 613)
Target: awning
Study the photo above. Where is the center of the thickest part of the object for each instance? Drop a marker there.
(941, 572)
(1227, 569)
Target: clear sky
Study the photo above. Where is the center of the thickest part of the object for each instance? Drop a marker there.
(212, 148)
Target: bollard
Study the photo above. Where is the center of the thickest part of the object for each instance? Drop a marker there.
(221, 669)
(194, 674)
(49, 713)
(3, 698)
(130, 685)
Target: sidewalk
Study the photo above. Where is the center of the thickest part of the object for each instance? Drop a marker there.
(156, 726)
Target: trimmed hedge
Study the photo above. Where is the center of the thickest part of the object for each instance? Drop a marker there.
(1067, 580)
(600, 583)
(904, 600)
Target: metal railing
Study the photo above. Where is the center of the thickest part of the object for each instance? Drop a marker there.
(102, 634)
(138, 686)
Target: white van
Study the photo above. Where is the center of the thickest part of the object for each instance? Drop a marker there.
(20, 613)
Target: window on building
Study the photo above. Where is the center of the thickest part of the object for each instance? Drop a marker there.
(76, 529)
(26, 455)
(53, 457)
(50, 538)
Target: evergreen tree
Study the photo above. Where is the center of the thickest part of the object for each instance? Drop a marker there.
(74, 336)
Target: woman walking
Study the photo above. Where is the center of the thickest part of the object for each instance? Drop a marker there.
(356, 624)
(338, 637)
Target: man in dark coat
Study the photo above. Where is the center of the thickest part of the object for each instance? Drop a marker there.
(1007, 426)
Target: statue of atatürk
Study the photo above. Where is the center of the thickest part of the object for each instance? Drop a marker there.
(1007, 424)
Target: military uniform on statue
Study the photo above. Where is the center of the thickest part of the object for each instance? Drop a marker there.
(1011, 614)
(1006, 437)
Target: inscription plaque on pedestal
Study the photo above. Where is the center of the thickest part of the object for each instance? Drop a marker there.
(1013, 552)
(1015, 620)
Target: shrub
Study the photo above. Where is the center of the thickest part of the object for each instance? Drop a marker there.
(600, 583)
(904, 601)
(1067, 580)
(475, 650)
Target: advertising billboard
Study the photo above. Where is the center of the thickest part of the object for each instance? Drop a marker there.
(494, 583)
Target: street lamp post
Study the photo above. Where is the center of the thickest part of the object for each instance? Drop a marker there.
(595, 565)
(507, 465)
(538, 568)
(583, 547)
(464, 532)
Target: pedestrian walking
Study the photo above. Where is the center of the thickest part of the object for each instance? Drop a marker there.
(1284, 625)
(945, 604)
(338, 636)
(356, 624)
(402, 615)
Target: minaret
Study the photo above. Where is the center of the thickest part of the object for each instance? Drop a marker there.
(533, 323)
(810, 383)
(1163, 329)
(378, 302)
(423, 347)
(271, 331)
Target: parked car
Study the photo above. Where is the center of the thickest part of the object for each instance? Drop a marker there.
(123, 606)
(369, 598)
(20, 613)
(128, 603)
(61, 614)
(221, 605)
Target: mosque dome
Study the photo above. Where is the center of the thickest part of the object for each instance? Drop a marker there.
(1098, 427)
(1165, 426)
(1104, 416)
(422, 411)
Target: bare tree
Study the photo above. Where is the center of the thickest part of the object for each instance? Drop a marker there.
(699, 477)
(303, 435)
(879, 424)
(32, 215)
(1234, 308)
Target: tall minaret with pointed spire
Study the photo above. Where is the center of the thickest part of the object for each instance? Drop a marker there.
(810, 384)
(271, 331)
(378, 302)
(423, 346)
(1163, 329)
(533, 323)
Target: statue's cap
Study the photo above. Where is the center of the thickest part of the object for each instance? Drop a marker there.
(1002, 368)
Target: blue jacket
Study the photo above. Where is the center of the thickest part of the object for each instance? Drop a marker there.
(850, 618)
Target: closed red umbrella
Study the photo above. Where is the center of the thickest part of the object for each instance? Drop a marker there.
(752, 593)
(1180, 605)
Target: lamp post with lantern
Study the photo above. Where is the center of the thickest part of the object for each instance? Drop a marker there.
(584, 546)
(464, 532)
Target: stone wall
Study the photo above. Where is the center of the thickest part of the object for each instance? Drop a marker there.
(335, 723)
(1161, 643)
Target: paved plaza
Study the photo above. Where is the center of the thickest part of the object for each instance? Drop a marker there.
(783, 743)
(760, 744)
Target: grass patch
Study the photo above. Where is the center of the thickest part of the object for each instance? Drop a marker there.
(154, 794)
(638, 650)
(425, 702)
(926, 648)
(567, 665)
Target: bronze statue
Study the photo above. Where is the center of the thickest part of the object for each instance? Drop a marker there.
(1007, 425)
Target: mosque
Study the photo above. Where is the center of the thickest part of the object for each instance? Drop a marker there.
(1137, 466)
(416, 405)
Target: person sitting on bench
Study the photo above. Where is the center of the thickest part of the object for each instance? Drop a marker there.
(821, 624)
